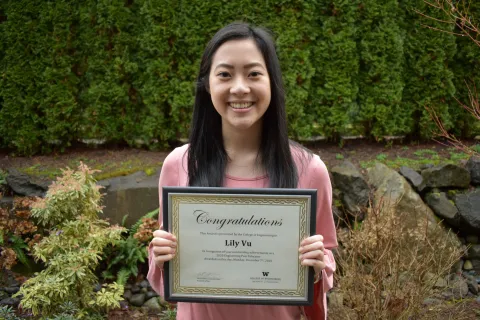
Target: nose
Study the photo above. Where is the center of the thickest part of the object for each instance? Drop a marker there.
(239, 86)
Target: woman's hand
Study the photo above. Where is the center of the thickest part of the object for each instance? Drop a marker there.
(164, 247)
(312, 253)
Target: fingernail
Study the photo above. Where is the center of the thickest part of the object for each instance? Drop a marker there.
(300, 257)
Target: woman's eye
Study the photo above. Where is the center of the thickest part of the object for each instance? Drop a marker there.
(255, 74)
(223, 74)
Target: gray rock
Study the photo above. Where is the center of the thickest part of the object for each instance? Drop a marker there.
(426, 166)
(11, 290)
(133, 195)
(150, 294)
(472, 238)
(447, 175)
(153, 305)
(350, 182)
(443, 207)
(476, 265)
(144, 290)
(396, 193)
(413, 177)
(474, 252)
(127, 295)
(26, 185)
(473, 166)
(13, 302)
(458, 287)
(441, 283)
(472, 284)
(137, 299)
(97, 287)
(468, 206)
(135, 288)
(144, 284)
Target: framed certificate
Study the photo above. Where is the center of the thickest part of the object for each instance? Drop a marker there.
(239, 245)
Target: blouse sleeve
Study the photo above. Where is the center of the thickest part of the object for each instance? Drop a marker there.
(169, 176)
(325, 226)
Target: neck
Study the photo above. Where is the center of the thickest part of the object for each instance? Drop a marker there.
(242, 141)
(243, 151)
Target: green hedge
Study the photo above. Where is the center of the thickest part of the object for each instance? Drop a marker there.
(124, 71)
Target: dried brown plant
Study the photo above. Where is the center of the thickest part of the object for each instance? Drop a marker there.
(386, 269)
(144, 233)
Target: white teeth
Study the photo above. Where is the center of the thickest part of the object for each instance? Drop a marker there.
(241, 105)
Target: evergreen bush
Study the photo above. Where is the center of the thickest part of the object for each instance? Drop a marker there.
(72, 250)
(124, 71)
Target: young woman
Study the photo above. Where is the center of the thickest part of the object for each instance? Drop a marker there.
(239, 139)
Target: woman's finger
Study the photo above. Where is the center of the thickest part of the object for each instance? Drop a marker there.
(317, 265)
(160, 260)
(316, 254)
(159, 251)
(311, 247)
(312, 239)
(164, 234)
(162, 242)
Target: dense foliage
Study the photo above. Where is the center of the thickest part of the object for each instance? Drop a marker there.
(124, 70)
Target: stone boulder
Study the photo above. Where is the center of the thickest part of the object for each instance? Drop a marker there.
(473, 166)
(443, 207)
(412, 176)
(354, 189)
(474, 252)
(447, 175)
(153, 304)
(468, 205)
(394, 191)
(133, 195)
(137, 299)
(25, 185)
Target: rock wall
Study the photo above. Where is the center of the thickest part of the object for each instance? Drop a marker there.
(447, 193)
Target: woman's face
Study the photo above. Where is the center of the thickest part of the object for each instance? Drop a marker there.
(239, 84)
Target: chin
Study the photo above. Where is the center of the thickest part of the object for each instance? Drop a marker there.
(241, 126)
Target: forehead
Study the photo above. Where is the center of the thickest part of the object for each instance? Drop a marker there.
(238, 52)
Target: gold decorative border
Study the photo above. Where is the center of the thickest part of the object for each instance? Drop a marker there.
(176, 199)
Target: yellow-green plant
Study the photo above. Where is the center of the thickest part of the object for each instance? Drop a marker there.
(73, 249)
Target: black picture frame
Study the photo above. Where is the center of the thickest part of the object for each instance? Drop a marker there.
(172, 296)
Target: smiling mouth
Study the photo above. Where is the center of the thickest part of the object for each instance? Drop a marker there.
(243, 105)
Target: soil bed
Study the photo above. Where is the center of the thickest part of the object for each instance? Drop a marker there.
(117, 161)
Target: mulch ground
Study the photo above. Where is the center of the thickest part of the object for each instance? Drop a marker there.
(356, 151)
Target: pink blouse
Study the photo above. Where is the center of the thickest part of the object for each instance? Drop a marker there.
(312, 175)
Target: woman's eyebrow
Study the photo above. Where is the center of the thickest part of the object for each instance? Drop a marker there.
(247, 66)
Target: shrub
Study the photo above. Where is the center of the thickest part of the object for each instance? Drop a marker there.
(18, 234)
(387, 269)
(125, 255)
(72, 250)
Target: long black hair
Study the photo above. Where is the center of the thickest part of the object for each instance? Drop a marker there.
(207, 158)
